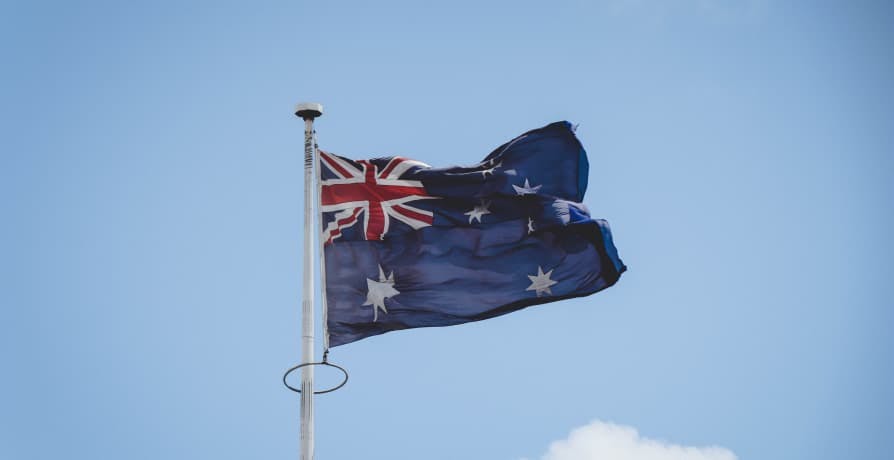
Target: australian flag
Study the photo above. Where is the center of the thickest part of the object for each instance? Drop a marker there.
(407, 245)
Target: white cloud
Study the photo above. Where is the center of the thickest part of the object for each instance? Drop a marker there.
(607, 441)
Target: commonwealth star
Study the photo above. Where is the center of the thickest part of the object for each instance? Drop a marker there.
(378, 291)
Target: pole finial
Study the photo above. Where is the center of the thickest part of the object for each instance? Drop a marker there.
(309, 110)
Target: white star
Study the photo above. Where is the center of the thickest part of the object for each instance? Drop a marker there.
(478, 211)
(530, 225)
(527, 189)
(541, 282)
(380, 290)
(485, 172)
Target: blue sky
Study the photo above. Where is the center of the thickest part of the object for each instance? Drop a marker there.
(151, 175)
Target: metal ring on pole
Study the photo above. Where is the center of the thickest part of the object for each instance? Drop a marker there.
(321, 363)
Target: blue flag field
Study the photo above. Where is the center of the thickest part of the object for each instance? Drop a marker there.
(407, 245)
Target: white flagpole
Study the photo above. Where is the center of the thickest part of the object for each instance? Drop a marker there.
(308, 111)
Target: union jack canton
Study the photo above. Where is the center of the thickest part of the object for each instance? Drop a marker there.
(373, 190)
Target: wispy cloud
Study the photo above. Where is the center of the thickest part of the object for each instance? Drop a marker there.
(608, 441)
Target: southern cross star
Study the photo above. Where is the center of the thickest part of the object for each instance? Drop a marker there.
(478, 211)
(378, 291)
(541, 282)
(485, 172)
(527, 189)
(530, 225)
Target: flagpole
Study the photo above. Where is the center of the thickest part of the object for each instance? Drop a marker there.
(308, 111)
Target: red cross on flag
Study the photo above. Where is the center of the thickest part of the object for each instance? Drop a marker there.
(376, 195)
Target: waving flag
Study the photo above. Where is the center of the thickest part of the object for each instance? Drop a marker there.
(407, 245)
